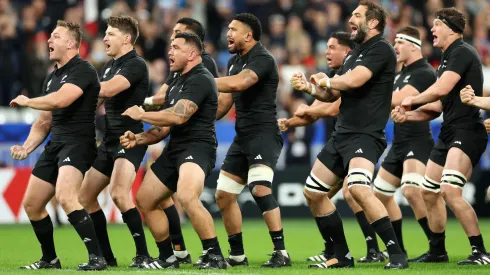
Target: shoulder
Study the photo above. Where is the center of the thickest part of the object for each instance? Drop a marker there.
(136, 61)
(201, 77)
(84, 66)
(465, 50)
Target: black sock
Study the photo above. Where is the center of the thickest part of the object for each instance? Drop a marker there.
(80, 219)
(132, 219)
(174, 228)
(368, 231)
(477, 241)
(329, 245)
(278, 239)
(397, 227)
(385, 230)
(424, 223)
(437, 244)
(211, 246)
(236, 244)
(100, 226)
(44, 233)
(332, 224)
(165, 249)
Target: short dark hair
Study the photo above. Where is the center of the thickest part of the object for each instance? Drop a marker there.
(125, 24)
(410, 31)
(253, 22)
(344, 39)
(193, 39)
(375, 11)
(73, 29)
(455, 17)
(194, 26)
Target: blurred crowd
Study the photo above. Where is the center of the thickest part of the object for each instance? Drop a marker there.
(295, 31)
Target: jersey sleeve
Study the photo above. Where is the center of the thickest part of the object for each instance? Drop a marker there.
(197, 89)
(422, 80)
(210, 65)
(83, 76)
(375, 59)
(459, 61)
(134, 70)
(261, 65)
(47, 81)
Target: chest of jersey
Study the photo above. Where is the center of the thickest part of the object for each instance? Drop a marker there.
(237, 66)
(55, 82)
(401, 80)
(174, 91)
(110, 72)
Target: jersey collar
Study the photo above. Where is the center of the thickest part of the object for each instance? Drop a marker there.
(68, 65)
(453, 45)
(417, 64)
(125, 57)
(371, 41)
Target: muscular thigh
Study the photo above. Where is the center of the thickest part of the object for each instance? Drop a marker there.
(123, 174)
(38, 193)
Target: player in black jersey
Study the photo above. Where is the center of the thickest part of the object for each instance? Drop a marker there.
(193, 26)
(404, 165)
(68, 112)
(338, 48)
(251, 84)
(462, 139)
(365, 85)
(124, 83)
(190, 112)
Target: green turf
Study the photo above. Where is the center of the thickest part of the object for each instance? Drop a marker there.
(18, 246)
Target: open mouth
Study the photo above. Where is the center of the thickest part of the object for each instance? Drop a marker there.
(231, 42)
(51, 49)
(171, 60)
(435, 38)
(107, 46)
(353, 28)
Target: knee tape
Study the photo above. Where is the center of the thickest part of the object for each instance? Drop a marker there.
(265, 203)
(383, 187)
(228, 185)
(359, 177)
(260, 173)
(431, 185)
(314, 184)
(412, 179)
(453, 178)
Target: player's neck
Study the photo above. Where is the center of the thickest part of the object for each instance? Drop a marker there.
(414, 58)
(124, 50)
(450, 41)
(191, 64)
(370, 34)
(66, 58)
(248, 47)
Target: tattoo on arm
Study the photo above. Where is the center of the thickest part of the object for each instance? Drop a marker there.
(184, 109)
(249, 76)
(154, 128)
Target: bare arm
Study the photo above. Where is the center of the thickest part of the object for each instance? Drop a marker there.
(296, 121)
(159, 97)
(481, 102)
(176, 115)
(39, 131)
(60, 99)
(237, 83)
(350, 80)
(406, 91)
(225, 102)
(323, 109)
(426, 112)
(442, 87)
(114, 86)
(154, 135)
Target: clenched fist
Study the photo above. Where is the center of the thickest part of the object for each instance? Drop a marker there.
(315, 79)
(398, 114)
(128, 140)
(487, 125)
(18, 152)
(283, 125)
(467, 95)
(299, 82)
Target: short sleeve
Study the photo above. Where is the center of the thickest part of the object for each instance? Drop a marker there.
(210, 65)
(422, 80)
(196, 89)
(375, 59)
(82, 76)
(459, 61)
(134, 70)
(261, 65)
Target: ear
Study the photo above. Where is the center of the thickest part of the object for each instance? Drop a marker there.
(249, 36)
(71, 44)
(372, 24)
(127, 39)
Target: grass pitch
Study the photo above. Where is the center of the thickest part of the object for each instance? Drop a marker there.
(18, 246)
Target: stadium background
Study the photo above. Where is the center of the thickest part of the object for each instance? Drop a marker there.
(295, 32)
